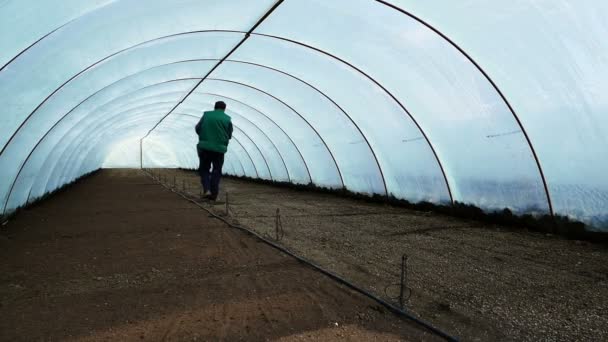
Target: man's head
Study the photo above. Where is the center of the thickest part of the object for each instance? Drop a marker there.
(220, 105)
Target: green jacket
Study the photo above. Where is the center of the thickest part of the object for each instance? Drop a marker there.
(214, 131)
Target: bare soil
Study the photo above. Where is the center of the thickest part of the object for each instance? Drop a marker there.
(478, 281)
(119, 258)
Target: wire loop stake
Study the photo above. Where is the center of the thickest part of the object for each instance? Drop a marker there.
(278, 226)
(328, 273)
(403, 287)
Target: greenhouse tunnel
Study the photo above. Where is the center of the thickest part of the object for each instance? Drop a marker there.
(426, 101)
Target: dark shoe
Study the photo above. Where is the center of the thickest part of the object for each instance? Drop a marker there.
(205, 195)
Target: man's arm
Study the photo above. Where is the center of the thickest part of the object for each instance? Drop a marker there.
(230, 130)
(197, 128)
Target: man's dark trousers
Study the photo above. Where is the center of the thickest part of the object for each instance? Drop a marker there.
(210, 179)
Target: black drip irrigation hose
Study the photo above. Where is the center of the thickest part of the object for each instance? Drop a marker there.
(394, 309)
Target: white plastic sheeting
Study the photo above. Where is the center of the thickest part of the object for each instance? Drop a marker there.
(495, 104)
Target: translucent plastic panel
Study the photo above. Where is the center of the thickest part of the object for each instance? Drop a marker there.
(162, 21)
(105, 32)
(172, 92)
(68, 143)
(246, 162)
(116, 69)
(93, 150)
(322, 168)
(176, 127)
(549, 59)
(472, 130)
(159, 146)
(196, 103)
(144, 119)
(74, 156)
(352, 153)
(297, 171)
(112, 77)
(243, 131)
(72, 165)
(409, 167)
(123, 154)
(39, 175)
(29, 21)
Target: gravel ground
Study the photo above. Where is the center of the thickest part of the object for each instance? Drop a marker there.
(478, 281)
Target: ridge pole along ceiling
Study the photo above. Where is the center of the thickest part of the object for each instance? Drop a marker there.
(498, 105)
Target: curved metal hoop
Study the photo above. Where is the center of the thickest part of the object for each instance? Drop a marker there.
(494, 85)
(248, 138)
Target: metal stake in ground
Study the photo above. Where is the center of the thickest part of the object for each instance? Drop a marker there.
(278, 226)
(403, 287)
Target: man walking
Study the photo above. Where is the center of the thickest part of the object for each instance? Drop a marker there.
(214, 131)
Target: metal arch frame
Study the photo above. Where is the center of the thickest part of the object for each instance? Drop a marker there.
(72, 147)
(138, 73)
(134, 91)
(295, 111)
(390, 6)
(242, 167)
(134, 122)
(352, 66)
(78, 105)
(259, 65)
(103, 60)
(271, 120)
(234, 168)
(387, 194)
(492, 83)
(153, 98)
(31, 153)
(77, 143)
(67, 146)
(249, 138)
(152, 85)
(60, 120)
(261, 131)
(137, 117)
(226, 57)
(247, 35)
(327, 54)
(131, 112)
(249, 156)
(39, 40)
(237, 156)
(242, 146)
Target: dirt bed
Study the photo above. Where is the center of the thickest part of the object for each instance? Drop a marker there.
(478, 281)
(119, 258)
